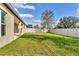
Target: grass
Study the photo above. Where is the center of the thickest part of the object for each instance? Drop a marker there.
(42, 44)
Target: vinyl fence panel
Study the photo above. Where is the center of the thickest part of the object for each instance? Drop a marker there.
(73, 32)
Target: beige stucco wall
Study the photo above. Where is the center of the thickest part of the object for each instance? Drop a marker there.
(19, 26)
(9, 27)
(23, 28)
(11, 19)
(16, 24)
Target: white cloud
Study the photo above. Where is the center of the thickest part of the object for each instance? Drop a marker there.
(17, 5)
(16, 10)
(20, 5)
(77, 10)
(26, 15)
(29, 7)
(37, 21)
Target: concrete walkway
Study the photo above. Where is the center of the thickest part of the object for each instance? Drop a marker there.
(7, 40)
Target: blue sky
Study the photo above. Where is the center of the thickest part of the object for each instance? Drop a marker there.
(31, 12)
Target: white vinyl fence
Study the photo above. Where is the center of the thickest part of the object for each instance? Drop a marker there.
(35, 30)
(73, 32)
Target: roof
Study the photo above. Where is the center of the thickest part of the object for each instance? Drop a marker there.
(8, 5)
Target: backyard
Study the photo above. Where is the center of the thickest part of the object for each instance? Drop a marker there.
(42, 44)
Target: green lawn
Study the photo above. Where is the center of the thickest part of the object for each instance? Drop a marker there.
(44, 44)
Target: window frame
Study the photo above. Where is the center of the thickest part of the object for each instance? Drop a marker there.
(3, 24)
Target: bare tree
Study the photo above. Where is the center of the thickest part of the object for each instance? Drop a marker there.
(47, 19)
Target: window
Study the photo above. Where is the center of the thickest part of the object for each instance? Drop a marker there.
(3, 23)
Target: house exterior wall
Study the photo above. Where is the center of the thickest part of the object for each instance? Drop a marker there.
(19, 27)
(13, 25)
(16, 30)
(0, 23)
(9, 27)
(24, 28)
(16, 24)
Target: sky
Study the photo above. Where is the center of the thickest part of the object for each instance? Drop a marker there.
(31, 12)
